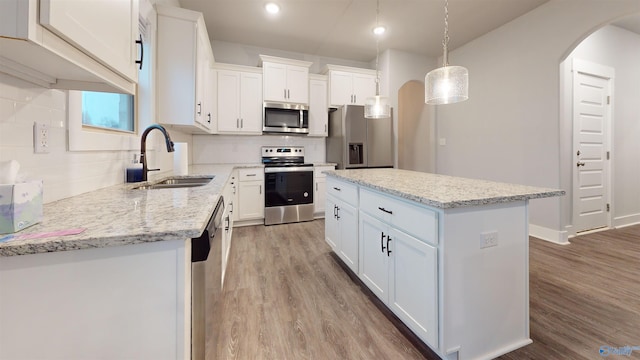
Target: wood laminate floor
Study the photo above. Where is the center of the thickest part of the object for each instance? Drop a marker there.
(286, 297)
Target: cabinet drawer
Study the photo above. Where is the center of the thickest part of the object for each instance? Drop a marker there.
(343, 190)
(412, 219)
(250, 174)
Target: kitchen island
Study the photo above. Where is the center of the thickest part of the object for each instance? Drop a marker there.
(119, 289)
(448, 256)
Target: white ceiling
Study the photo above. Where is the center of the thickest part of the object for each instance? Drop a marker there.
(342, 28)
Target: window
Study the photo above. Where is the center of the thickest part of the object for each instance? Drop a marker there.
(105, 121)
(108, 110)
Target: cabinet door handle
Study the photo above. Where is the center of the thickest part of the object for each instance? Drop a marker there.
(388, 248)
(325, 128)
(209, 116)
(355, 98)
(200, 108)
(336, 189)
(385, 210)
(241, 123)
(226, 227)
(316, 186)
(260, 189)
(237, 123)
(338, 212)
(139, 62)
(335, 212)
(285, 93)
(251, 175)
(382, 236)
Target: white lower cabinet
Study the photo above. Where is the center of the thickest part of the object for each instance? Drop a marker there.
(341, 221)
(402, 270)
(250, 194)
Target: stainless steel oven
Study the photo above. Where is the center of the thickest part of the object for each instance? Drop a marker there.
(288, 184)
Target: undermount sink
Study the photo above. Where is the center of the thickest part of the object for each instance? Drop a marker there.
(175, 183)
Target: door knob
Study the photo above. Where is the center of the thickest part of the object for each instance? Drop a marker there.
(580, 163)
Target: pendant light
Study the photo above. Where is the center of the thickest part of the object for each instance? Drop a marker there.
(377, 107)
(447, 84)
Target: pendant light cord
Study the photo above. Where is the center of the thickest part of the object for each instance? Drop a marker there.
(377, 48)
(445, 41)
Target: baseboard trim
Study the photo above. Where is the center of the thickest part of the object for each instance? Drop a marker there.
(627, 220)
(554, 236)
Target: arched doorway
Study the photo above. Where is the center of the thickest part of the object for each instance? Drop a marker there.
(617, 47)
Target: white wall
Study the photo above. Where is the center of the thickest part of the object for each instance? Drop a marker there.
(508, 130)
(65, 173)
(619, 49)
(398, 68)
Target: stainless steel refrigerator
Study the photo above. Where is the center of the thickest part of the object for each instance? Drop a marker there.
(356, 142)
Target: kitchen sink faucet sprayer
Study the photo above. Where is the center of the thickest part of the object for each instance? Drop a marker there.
(143, 147)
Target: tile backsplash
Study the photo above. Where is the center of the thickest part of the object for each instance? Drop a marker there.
(64, 173)
(234, 149)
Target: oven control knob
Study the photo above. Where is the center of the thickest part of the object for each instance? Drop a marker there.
(306, 194)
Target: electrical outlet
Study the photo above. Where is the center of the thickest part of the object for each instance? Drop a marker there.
(41, 138)
(488, 239)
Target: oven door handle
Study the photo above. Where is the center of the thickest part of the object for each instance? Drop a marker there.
(287, 169)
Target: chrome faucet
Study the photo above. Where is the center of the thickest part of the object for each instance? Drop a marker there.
(143, 147)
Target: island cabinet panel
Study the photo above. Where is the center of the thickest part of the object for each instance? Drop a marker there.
(402, 271)
(448, 256)
(413, 284)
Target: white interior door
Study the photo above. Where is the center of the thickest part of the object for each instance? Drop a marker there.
(592, 86)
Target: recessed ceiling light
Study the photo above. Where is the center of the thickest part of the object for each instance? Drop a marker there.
(272, 8)
(379, 30)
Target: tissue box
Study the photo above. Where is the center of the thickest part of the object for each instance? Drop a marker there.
(20, 206)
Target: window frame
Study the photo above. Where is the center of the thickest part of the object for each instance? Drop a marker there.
(92, 138)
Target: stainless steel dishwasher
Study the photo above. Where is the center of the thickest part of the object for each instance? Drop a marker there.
(206, 277)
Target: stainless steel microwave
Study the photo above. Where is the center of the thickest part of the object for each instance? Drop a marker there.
(286, 118)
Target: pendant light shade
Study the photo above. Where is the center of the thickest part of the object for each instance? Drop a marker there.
(377, 107)
(447, 84)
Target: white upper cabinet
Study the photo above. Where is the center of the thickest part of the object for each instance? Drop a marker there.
(318, 107)
(350, 86)
(239, 100)
(184, 58)
(77, 45)
(285, 80)
(107, 30)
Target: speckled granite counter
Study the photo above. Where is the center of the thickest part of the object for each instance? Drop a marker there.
(120, 215)
(441, 191)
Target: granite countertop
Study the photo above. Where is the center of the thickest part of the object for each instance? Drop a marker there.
(441, 191)
(119, 215)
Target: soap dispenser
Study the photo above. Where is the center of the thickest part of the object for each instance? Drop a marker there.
(134, 170)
